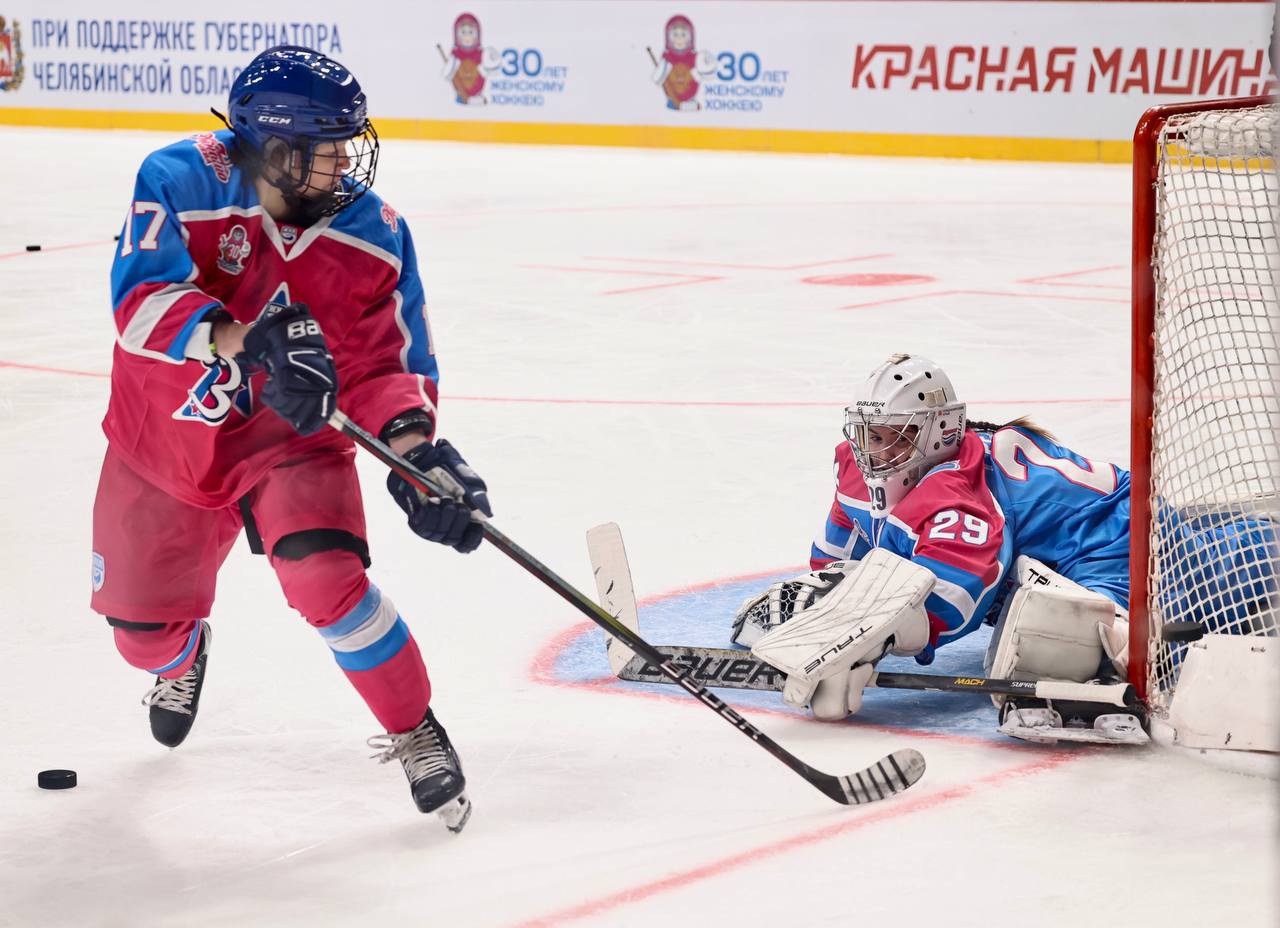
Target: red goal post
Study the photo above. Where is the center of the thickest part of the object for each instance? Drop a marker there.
(1205, 418)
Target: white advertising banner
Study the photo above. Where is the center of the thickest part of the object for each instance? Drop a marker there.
(1054, 69)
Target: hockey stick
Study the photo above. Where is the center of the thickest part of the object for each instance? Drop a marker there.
(891, 774)
(738, 669)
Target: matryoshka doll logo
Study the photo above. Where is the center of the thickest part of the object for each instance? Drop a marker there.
(233, 248)
(466, 64)
(680, 66)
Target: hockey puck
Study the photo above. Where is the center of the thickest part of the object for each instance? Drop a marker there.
(33, 248)
(1182, 631)
(56, 779)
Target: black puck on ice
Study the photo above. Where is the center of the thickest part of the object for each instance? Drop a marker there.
(56, 779)
(33, 248)
(1182, 631)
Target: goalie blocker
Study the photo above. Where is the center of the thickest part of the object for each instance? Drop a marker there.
(859, 611)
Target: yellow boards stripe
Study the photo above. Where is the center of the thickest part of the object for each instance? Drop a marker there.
(536, 133)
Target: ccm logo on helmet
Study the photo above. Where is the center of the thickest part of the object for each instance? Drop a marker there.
(275, 120)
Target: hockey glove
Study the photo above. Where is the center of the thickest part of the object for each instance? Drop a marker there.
(761, 614)
(302, 381)
(443, 520)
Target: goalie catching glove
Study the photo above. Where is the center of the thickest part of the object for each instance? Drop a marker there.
(855, 612)
(761, 614)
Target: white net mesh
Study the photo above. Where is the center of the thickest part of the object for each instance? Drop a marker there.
(1215, 468)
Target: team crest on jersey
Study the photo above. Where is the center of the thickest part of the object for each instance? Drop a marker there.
(11, 69)
(391, 217)
(98, 573)
(214, 154)
(221, 388)
(233, 248)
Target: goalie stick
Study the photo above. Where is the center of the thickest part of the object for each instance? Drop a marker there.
(891, 774)
(733, 668)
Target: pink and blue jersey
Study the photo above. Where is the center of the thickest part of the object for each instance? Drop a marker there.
(1005, 494)
(195, 239)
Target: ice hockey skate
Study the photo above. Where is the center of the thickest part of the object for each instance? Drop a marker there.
(173, 703)
(432, 766)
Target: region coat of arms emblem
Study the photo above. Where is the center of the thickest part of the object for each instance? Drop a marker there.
(11, 69)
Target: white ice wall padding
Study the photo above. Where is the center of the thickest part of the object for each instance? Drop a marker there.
(1228, 694)
(1216, 431)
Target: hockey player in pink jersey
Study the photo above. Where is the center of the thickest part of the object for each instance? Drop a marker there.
(962, 517)
(260, 284)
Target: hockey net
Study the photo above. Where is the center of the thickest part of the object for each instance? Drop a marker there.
(1206, 405)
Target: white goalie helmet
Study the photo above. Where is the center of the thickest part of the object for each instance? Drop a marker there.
(904, 420)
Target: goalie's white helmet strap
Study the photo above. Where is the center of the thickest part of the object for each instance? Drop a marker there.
(904, 419)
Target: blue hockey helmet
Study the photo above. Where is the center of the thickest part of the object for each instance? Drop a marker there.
(317, 109)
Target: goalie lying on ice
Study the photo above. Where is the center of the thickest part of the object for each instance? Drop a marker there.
(939, 524)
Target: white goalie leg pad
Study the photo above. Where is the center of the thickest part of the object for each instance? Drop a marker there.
(1051, 630)
(1113, 632)
(1115, 640)
(877, 605)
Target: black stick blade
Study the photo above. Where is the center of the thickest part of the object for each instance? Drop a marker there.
(887, 776)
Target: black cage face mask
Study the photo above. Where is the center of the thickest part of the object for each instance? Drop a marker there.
(320, 177)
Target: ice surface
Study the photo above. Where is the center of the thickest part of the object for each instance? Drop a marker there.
(641, 337)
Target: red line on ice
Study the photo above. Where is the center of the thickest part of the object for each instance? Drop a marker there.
(893, 809)
(687, 279)
(1055, 280)
(943, 293)
(749, 267)
(44, 248)
(572, 401)
(51, 370)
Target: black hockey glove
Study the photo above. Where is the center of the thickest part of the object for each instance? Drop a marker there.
(447, 521)
(301, 379)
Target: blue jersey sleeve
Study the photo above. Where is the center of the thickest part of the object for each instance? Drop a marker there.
(155, 295)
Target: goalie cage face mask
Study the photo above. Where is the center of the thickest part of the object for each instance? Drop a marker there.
(904, 421)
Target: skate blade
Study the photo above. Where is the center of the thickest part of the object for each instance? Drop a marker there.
(456, 813)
